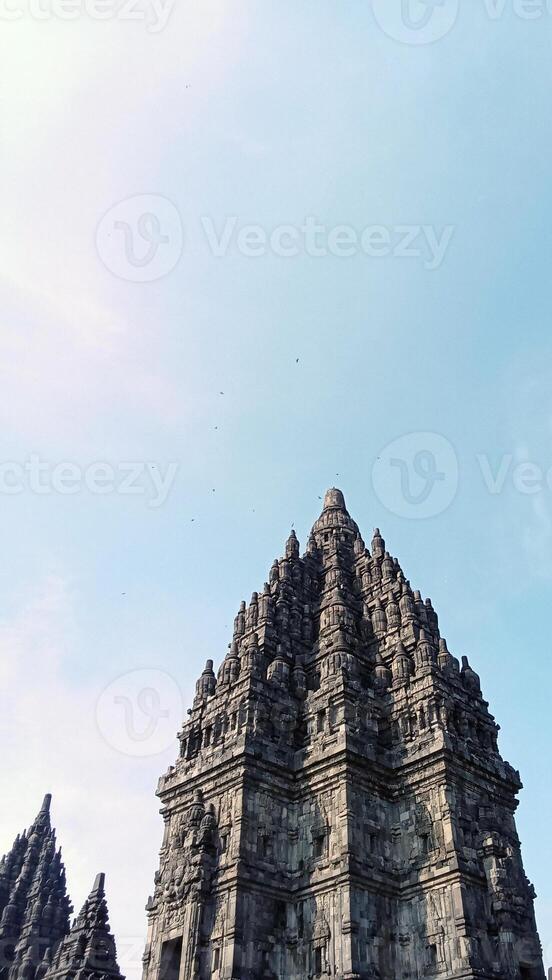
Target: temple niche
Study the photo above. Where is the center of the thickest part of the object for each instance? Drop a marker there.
(339, 807)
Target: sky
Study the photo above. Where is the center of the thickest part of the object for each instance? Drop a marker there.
(251, 251)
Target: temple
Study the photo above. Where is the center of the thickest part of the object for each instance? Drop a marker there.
(36, 940)
(88, 951)
(339, 806)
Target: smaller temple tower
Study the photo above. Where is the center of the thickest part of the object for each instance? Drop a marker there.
(34, 905)
(89, 949)
(35, 939)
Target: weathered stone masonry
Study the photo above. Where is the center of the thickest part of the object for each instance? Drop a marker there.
(340, 807)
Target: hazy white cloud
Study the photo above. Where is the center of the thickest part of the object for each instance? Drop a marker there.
(73, 340)
(66, 358)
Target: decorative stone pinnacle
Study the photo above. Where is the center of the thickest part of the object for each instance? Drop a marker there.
(334, 498)
(99, 886)
(45, 808)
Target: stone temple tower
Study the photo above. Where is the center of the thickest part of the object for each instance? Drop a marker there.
(88, 951)
(340, 807)
(34, 905)
(36, 942)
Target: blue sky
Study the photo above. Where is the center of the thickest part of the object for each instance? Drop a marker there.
(240, 114)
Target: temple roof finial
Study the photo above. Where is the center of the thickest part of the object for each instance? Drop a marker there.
(334, 498)
(292, 546)
(45, 808)
(99, 885)
(42, 819)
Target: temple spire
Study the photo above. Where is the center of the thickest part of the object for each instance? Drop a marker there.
(89, 949)
(34, 906)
